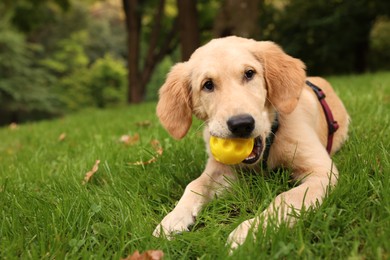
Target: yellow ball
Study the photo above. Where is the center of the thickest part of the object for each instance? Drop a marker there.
(231, 151)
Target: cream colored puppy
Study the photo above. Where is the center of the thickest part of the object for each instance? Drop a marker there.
(238, 87)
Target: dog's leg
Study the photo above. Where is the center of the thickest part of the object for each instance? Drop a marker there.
(311, 191)
(215, 178)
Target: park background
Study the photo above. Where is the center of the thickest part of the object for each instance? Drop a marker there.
(87, 171)
(60, 56)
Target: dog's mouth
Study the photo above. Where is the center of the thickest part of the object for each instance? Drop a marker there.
(254, 156)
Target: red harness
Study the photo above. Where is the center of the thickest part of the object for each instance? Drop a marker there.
(332, 124)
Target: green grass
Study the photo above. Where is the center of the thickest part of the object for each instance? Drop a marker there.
(47, 213)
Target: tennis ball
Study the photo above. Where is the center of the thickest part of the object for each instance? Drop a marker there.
(230, 151)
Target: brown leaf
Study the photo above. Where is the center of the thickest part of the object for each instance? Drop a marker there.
(62, 137)
(129, 140)
(89, 174)
(147, 255)
(152, 160)
(13, 126)
(157, 147)
(145, 123)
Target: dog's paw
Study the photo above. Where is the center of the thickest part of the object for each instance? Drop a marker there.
(175, 222)
(238, 236)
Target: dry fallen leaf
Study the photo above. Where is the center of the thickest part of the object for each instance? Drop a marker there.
(157, 147)
(13, 126)
(147, 255)
(129, 140)
(145, 123)
(62, 137)
(89, 174)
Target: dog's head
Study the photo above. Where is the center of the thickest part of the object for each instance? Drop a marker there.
(235, 85)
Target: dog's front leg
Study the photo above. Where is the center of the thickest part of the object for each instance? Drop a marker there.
(215, 178)
(287, 205)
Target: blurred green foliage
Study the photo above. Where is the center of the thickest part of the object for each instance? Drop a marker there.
(380, 44)
(25, 87)
(58, 56)
(330, 36)
(82, 81)
(107, 82)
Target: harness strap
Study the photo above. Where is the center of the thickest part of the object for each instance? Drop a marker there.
(332, 124)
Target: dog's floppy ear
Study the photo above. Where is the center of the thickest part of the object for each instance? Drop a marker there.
(284, 75)
(174, 106)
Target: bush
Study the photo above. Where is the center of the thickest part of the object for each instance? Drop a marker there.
(107, 82)
(380, 44)
(70, 68)
(69, 65)
(80, 85)
(103, 84)
(25, 91)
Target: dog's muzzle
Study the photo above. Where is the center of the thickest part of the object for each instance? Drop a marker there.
(242, 126)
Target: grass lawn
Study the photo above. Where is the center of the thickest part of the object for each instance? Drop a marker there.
(48, 213)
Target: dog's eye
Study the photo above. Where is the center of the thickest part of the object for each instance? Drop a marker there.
(249, 74)
(208, 86)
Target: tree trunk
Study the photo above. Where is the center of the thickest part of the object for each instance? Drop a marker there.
(361, 53)
(160, 45)
(151, 60)
(133, 25)
(240, 18)
(188, 27)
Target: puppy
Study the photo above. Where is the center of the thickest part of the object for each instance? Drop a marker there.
(242, 88)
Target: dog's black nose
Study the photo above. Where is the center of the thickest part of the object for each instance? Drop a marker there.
(241, 125)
